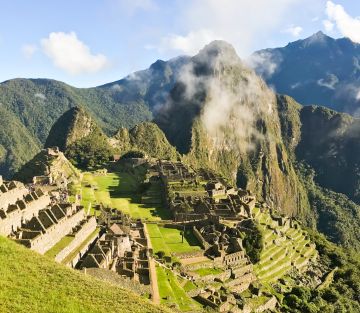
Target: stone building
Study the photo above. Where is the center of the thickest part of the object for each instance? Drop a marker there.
(10, 192)
(51, 224)
(124, 248)
(24, 206)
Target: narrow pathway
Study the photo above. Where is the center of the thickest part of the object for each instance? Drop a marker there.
(154, 283)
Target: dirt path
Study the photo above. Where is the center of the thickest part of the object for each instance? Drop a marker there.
(154, 283)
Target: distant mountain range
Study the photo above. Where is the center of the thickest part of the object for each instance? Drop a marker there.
(219, 114)
(317, 70)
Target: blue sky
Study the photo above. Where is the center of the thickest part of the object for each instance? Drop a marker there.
(87, 43)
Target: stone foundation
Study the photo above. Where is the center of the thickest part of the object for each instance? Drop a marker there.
(79, 237)
(22, 211)
(43, 240)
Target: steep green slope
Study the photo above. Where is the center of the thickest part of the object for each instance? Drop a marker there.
(323, 144)
(72, 126)
(146, 137)
(224, 117)
(330, 143)
(33, 283)
(17, 145)
(78, 135)
(35, 104)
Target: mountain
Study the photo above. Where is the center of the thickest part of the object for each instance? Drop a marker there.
(146, 137)
(30, 107)
(319, 142)
(72, 126)
(77, 134)
(224, 117)
(218, 114)
(317, 70)
(17, 145)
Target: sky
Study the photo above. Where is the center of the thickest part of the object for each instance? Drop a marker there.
(86, 43)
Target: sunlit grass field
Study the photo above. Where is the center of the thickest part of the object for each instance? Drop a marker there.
(30, 282)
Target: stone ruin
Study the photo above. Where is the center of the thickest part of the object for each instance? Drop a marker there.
(43, 231)
(174, 172)
(216, 299)
(39, 221)
(123, 248)
(235, 205)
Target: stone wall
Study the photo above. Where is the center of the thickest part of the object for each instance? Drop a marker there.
(269, 305)
(223, 276)
(10, 196)
(79, 238)
(200, 238)
(247, 278)
(22, 211)
(45, 241)
(72, 263)
(230, 259)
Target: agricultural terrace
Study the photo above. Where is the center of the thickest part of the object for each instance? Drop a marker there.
(283, 250)
(122, 188)
(173, 289)
(169, 240)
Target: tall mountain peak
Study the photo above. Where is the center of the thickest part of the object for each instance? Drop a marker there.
(218, 49)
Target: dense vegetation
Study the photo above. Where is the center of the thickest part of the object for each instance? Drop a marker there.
(90, 151)
(253, 241)
(339, 293)
(29, 108)
(337, 216)
(147, 138)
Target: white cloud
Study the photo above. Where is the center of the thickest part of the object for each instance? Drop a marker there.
(358, 95)
(329, 26)
(71, 55)
(264, 63)
(329, 82)
(242, 23)
(190, 43)
(28, 50)
(296, 85)
(294, 31)
(40, 96)
(347, 25)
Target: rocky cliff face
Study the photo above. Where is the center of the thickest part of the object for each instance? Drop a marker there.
(221, 115)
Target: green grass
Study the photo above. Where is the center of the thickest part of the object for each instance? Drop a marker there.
(208, 271)
(62, 244)
(31, 282)
(120, 190)
(169, 240)
(172, 293)
(273, 262)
